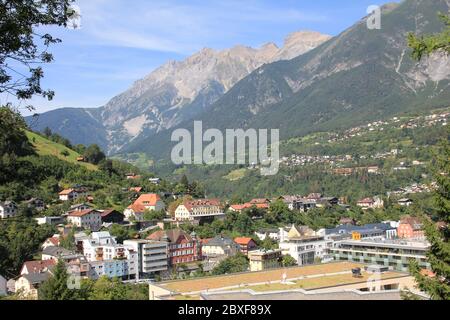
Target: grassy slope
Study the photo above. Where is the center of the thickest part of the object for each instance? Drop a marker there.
(45, 147)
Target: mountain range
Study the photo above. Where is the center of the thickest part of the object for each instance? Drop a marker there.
(314, 83)
(357, 77)
(173, 93)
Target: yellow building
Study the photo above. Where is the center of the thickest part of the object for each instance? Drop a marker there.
(356, 236)
(263, 260)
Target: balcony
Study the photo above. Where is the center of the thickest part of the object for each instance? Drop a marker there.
(153, 266)
(160, 260)
(153, 251)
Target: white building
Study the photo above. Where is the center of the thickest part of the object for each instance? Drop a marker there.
(263, 234)
(101, 246)
(152, 256)
(49, 220)
(86, 219)
(8, 209)
(198, 209)
(108, 258)
(70, 195)
(371, 203)
(305, 246)
(220, 246)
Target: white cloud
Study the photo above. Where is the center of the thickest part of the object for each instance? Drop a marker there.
(174, 26)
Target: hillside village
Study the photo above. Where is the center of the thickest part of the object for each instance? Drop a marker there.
(94, 206)
(150, 230)
(164, 231)
(164, 249)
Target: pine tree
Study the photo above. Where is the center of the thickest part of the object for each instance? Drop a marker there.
(56, 287)
(438, 287)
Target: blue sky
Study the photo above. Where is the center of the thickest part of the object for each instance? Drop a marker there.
(121, 41)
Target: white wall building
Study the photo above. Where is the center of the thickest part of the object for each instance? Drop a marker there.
(152, 256)
(71, 194)
(263, 234)
(305, 246)
(197, 209)
(86, 219)
(107, 257)
(8, 209)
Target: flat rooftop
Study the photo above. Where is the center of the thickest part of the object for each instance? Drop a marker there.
(255, 278)
(325, 281)
(396, 244)
(341, 295)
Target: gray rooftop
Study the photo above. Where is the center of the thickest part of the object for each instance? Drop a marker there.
(35, 278)
(365, 228)
(56, 251)
(220, 242)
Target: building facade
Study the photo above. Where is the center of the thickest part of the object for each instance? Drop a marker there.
(107, 257)
(245, 244)
(263, 260)
(220, 246)
(182, 247)
(198, 209)
(146, 202)
(394, 254)
(411, 228)
(151, 257)
(305, 246)
(86, 219)
(8, 209)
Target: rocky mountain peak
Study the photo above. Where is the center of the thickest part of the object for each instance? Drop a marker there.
(300, 42)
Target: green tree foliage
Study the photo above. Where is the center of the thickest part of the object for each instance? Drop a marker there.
(68, 242)
(20, 239)
(288, 261)
(94, 154)
(56, 287)
(152, 215)
(120, 232)
(437, 287)
(268, 244)
(21, 44)
(426, 45)
(13, 140)
(107, 289)
(277, 212)
(235, 264)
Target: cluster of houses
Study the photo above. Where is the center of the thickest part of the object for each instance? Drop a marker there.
(99, 254)
(293, 202)
(171, 250)
(413, 189)
(168, 251)
(192, 211)
(441, 118)
(390, 244)
(297, 160)
(353, 170)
